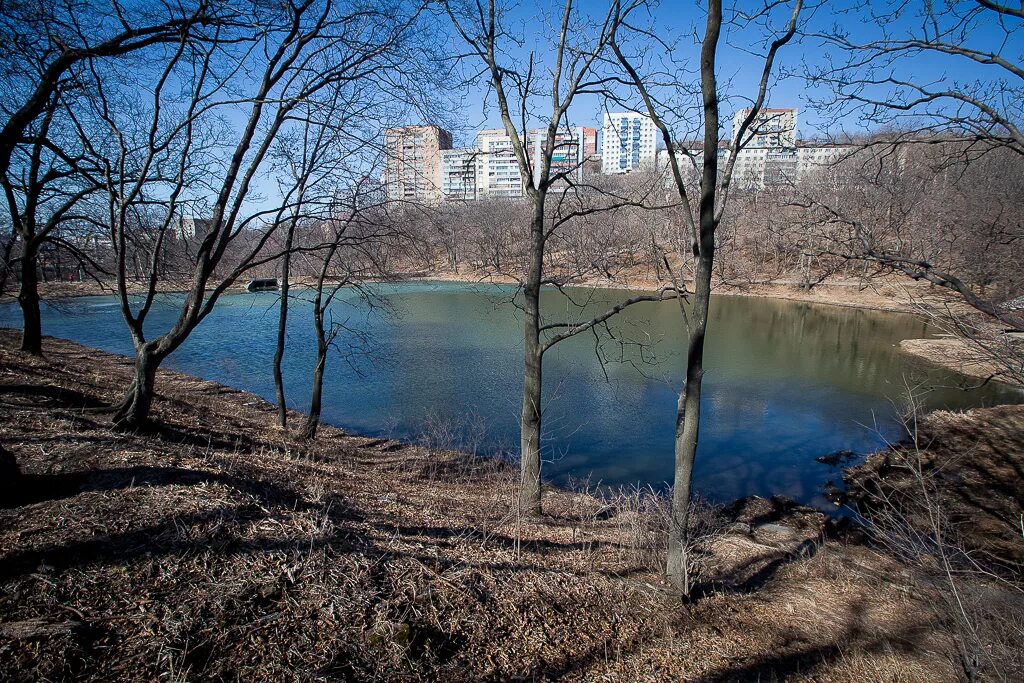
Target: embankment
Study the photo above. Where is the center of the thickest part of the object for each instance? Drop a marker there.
(215, 546)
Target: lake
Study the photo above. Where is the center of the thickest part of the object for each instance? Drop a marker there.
(786, 382)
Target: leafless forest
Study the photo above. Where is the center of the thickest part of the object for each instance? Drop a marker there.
(151, 147)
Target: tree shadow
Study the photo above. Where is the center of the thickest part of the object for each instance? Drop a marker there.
(170, 537)
(794, 658)
(36, 488)
(498, 540)
(48, 396)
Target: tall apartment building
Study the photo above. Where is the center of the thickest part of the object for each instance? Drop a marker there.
(497, 170)
(771, 128)
(568, 154)
(629, 142)
(458, 173)
(413, 168)
(589, 142)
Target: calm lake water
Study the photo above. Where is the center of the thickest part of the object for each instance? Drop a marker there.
(786, 382)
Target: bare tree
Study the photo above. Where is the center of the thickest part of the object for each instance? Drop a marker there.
(579, 42)
(870, 72)
(356, 242)
(184, 157)
(698, 229)
(48, 47)
(927, 210)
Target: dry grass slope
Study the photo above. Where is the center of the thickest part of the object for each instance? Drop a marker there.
(216, 547)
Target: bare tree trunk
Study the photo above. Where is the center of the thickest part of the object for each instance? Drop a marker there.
(688, 428)
(282, 325)
(133, 411)
(312, 423)
(688, 415)
(28, 299)
(530, 427)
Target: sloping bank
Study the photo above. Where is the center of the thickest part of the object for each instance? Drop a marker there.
(216, 547)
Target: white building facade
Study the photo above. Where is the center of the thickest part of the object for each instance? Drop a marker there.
(459, 173)
(497, 169)
(629, 141)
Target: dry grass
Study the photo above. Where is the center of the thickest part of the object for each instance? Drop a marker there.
(217, 547)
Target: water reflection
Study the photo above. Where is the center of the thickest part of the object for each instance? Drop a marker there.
(786, 382)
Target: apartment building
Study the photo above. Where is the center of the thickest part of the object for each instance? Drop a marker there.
(629, 142)
(413, 168)
(458, 173)
(589, 142)
(771, 128)
(758, 167)
(190, 229)
(497, 169)
(568, 154)
(815, 156)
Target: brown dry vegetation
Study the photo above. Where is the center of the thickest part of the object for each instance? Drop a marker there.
(975, 461)
(215, 547)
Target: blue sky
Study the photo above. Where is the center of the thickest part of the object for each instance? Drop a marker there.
(739, 69)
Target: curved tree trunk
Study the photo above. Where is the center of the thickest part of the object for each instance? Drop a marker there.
(132, 412)
(28, 299)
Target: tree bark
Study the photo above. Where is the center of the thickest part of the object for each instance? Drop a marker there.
(282, 325)
(132, 413)
(530, 424)
(28, 299)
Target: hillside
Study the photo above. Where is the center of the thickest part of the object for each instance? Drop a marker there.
(215, 547)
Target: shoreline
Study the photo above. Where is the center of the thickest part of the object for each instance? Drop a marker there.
(889, 295)
(885, 296)
(218, 535)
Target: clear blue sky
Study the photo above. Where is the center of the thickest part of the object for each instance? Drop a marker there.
(739, 68)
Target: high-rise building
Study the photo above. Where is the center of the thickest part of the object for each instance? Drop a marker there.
(567, 156)
(770, 128)
(497, 169)
(589, 142)
(189, 228)
(413, 168)
(458, 173)
(629, 142)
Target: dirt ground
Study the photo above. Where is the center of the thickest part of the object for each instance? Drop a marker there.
(217, 547)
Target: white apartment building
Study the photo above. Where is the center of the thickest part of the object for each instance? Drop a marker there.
(459, 173)
(629, 142)
(568, 155)
(814, 156)
(758, 167)
(771, 128)
(497, 169)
